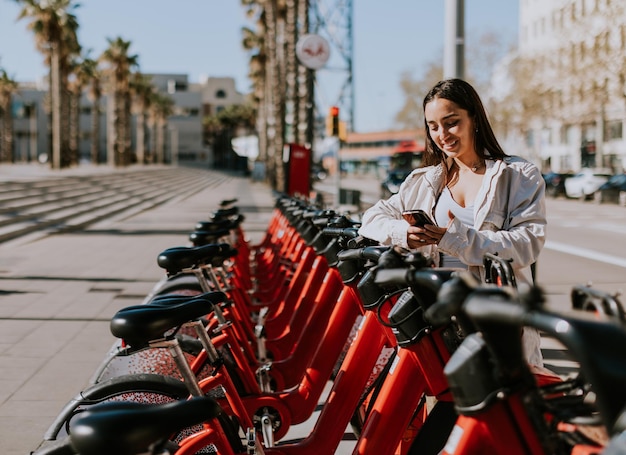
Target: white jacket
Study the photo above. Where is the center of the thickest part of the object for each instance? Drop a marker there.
(509, 219)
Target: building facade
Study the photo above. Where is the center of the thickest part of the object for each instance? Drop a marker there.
(573, 55)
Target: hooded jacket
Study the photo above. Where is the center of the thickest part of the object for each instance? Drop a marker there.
(509, 220)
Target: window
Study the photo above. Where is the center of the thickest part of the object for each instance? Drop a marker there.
(220, 94)
(546, 136)
(568, 134)
(613, 130)
(530, 138)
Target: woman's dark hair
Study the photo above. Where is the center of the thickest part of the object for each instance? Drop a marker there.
(465, 96)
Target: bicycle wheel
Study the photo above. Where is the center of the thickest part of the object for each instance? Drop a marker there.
(141, 388)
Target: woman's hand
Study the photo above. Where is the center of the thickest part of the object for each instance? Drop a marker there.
(430, 234)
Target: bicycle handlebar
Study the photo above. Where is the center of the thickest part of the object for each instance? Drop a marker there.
(343, 232)
(372, 253)
(596, 345)
(583, 296)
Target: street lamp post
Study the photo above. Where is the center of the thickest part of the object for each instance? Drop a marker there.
(454, 40)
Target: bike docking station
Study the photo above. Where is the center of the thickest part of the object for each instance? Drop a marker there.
(240, 342)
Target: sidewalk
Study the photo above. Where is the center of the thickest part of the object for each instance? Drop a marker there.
(58, 294)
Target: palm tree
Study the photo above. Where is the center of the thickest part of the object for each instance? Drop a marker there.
(141, 89)
(268, 86)
(83, 73)
(273, 68)
(54, 26)
(94, 93)
(291, 64)
(118, 71)
(253, 42)
(305, 87)
(8, 86)
(274, 86)
(161, 107)
(222, 127)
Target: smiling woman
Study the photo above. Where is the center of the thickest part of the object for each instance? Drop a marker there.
(481, 199)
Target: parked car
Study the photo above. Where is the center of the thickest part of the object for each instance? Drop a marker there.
(613, 190)
(585, 183)
(555, 183)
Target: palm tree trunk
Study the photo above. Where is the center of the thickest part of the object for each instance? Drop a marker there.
(141, 137)
(111, 130)
(127, 128)
(118, 144)
(67, 158)
(160, 142)
(305, 85)
(6, 131)
(95, 131)
(291, 82)
(74, 125)
(55, 101)
(275, 99)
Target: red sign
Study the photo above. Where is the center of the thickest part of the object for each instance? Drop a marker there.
(298, 170)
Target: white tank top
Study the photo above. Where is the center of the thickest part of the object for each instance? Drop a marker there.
(445, 204)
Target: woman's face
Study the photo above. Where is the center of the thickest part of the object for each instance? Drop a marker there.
(450, 127)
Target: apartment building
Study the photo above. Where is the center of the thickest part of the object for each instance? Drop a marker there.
(573, 55)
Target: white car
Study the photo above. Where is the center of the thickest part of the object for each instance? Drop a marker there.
(586, 182)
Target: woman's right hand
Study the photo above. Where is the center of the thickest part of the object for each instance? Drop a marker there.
(418, 237)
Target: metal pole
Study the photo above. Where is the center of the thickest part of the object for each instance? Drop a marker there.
(454, 40)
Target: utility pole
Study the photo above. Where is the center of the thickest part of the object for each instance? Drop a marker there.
(454, 40)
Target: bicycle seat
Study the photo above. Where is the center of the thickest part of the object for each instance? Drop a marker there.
(215, 225)
(226, 202)
(129, 428)
(176, 259)
(224, 212)
(201, 238)
(139, 324)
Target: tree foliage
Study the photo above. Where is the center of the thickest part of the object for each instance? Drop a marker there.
(8, 86)
(55, 27)
(482, 57)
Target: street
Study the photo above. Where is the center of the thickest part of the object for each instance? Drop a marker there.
(585, 244)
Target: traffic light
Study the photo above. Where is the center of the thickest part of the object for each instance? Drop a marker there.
(332, 125)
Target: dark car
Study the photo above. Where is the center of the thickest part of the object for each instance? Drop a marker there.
(391, 184)
(555, 183)
(613, 190)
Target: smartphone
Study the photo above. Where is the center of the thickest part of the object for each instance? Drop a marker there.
(417, 217)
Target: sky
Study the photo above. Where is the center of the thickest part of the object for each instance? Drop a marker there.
(203, 38)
